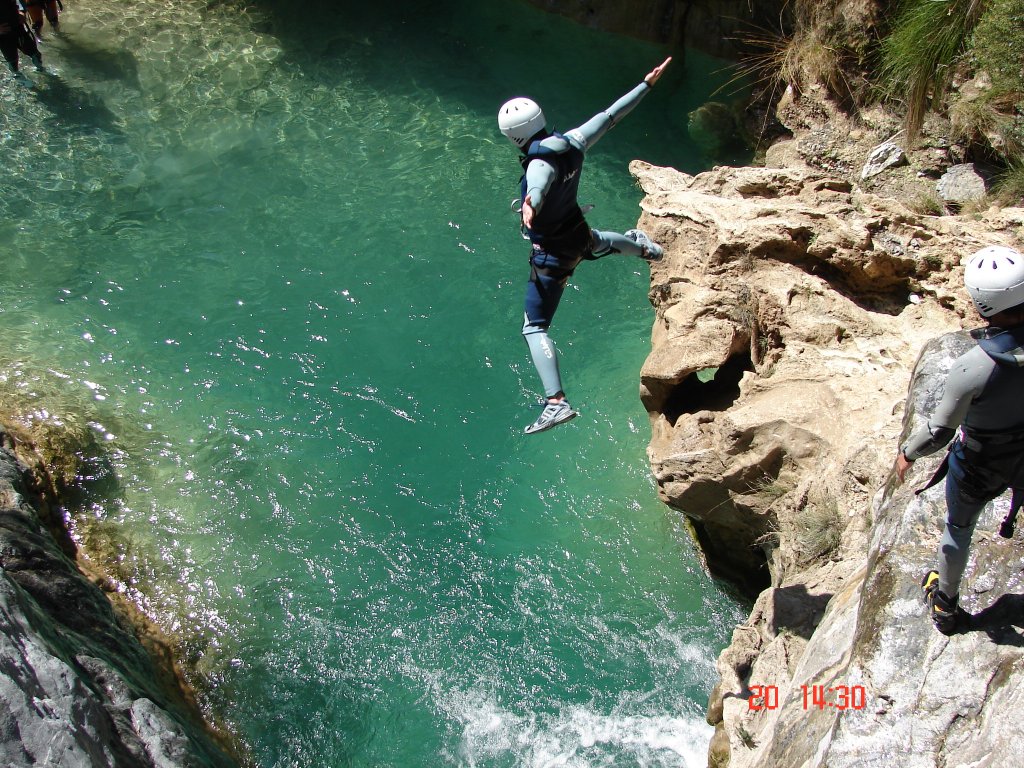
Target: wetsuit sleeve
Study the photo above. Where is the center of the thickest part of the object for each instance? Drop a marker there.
(588, 134)
(539, 177)
(965, 382)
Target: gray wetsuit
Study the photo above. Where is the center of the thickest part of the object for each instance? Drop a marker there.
(984, 399)
(560, 237)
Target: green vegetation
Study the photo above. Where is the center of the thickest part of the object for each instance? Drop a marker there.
(817, 530)
(927, 205)
(978, 44)
(990, 114)
(998, 45)
(926, 40)
(1009, 188)
(811, 52)
(960, 58)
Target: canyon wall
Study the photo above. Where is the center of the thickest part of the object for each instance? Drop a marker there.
(790, 309)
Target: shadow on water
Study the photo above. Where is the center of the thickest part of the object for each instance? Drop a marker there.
(76, 108)
(101, 63)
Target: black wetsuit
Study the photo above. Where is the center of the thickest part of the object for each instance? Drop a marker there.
(16, 34)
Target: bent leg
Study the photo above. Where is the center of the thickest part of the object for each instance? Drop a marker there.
(606, 243)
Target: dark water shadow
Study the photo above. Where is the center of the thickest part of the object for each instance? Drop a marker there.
(101, 63)
(75, 108)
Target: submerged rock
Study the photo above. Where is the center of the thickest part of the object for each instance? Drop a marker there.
(77, 688)
(714, 128)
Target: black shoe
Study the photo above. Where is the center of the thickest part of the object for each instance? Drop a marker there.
(946, 614)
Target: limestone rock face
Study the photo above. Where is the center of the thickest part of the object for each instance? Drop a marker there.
(77, 689)
(955, 699)
(961, 184)
(789, 309)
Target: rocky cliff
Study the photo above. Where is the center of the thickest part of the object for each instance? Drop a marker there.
(77, 687)
(790, 309)
(713, 26)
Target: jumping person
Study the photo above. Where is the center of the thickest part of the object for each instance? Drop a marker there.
(553, 222)
(982, 397)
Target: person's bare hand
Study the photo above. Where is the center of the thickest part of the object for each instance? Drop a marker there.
(903, 464)
(528, 212)
(655, 74)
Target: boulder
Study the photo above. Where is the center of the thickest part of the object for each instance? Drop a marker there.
(888, 154)
(961, 184)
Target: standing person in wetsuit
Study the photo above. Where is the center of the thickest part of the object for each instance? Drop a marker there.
(553, 222)
(983, 398)
(15, 35)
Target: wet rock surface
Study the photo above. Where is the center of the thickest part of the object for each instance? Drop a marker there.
(77, 688)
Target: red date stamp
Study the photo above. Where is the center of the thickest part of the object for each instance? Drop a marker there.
(839, 697)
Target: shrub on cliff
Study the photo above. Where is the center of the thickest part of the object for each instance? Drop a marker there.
(925, 41)
(998, 45)
(817, 43)
(997, 49)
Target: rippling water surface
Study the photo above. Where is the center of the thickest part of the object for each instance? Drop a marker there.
(269, 246)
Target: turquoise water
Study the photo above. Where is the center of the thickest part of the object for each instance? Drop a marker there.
(271, 246)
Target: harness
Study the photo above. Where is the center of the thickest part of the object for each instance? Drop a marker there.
(993, 453)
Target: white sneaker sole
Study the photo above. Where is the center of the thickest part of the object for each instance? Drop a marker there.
(533, 429)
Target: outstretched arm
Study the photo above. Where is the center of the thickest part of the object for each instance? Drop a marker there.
(591, 131)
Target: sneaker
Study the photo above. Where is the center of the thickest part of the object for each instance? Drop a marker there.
(552, 415)
(946, 614)
(651, 250)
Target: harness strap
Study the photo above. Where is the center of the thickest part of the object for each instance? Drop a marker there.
(1006, 528)
(940, 472)
(1016, 502)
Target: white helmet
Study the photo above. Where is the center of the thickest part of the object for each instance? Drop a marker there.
(994, 277)
(520, 119)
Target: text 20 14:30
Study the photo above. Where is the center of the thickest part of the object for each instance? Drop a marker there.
(814, 697)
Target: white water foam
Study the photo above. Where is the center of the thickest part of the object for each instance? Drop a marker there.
(577, 736)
